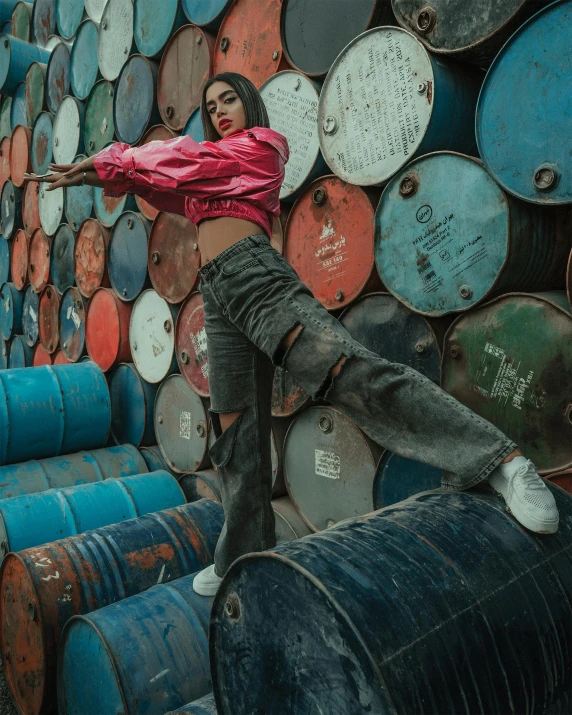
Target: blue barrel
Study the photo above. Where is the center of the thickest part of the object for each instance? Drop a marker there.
(19, 108)
(68, 17)
(127, 255)
(52, 410)
(165, 664)
(135, 99)
(194, 127)
(72, 326)
(41, 144)
(5, 267)
(421, 598)
(3, 354)
(398, 478)
(62, 262)
(70, 470)
(206, 13)
(11, 202)
(11, 300)
(6, 8)
(154, 23)
(20, 354)
(30, 312)
(34, 519)
(78, 202)
(15, 58)
(524, 110)
(84, 69)
(43, 21)
(154, 459)
(57, 77)
(203, 706)
(108, 210)
(132, 403)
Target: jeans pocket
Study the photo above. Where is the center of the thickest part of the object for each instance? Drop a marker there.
(221, 451)
(239, 263)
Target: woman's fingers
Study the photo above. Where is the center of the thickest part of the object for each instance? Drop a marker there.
(42, 178)
(66, 168)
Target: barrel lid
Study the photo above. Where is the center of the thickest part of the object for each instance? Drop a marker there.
(84, 69)
(41, 146)
(107, 329)
(329, 240)
(523, 128)
(194, 126)
(185, 67)
(191, 345)
(205, 14)
(5, 159)
(152, 336)
(367, 143)
(68, 17)
(30, 308)
(90, 260)
(57, 76)
(11, 202)
(43, 21)
(21, 21)
(5, 260)
(156, 133)
(288, 397)
(181, 425)
(5, 112)
(127, 255)
(51, 208)
(48, 318)
(63, 267)
(19, 262)
(31, 207)
(154, 24)
(398, 478)
(20, 160)
(95, 8)
(35, 90)
(68, 130)
(135, 98)
(132, 401)
(115, 37)
(41, 356)
(19, 107)
(72, 324)
(99, 129)
(174, 257)
(108, 209)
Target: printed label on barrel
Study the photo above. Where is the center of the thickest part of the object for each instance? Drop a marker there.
(327, 464)
(185, 425)
(199, 343)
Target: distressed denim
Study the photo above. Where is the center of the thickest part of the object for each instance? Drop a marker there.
(252, 300)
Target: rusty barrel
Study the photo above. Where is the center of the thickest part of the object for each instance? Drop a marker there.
(447, 237)
(11, 203)
(107, 329)
(90, 260)
(19, 259)
(127, 255)
(62, 263)
(5, 156)
(166, 664)
(31, 207)
(329, 467)
(398, 478)
(191, 345)
(420, 640)
(410, 102)
(19, 108)
(84, 69)
(93, 569)
(15, 58)
(39, 260)
(511, 362)
(132, 403)
(43, 21)
(20, 354)
(42, 143)
(115, 41)
(41, 356)
(20, 160)
(152, 336)
(201, 485)
(78, 202)
(35, 90)
(59, 358)
(194, 127)
(21, 21)
(156, 133)
(108, 209)
(72, 325)
(98, 126)
(11, 300)
(48, 319)
(203, 706)
(57, 76)
(68, 135)
(70, 470)
(329, 241)
(135, 99)
(30, 307)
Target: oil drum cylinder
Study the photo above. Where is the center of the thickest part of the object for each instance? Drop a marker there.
(135, 99)
(11, 202)
(115, 41)
(209, 14)
(72, 325)
(108, 209)
(19, 259)
(41, 356)
(5, 261)
(132, 403)
(35, 90)
(107, 329)
(42, 143)
(31, 207)
(68, 131)
(69, 14)
(51, 208)
(152, 336)
(84, 70)
(98, 126)
(15, 58)
(154, 459)
(49, 318)
(57, 77)
(201, 485)
(30, 307)
(39, 256)
(62, 264)
(11, 300)
(78, 202)
(20, 160)
(21, 21)
(154, 24)
(289, 524)
(398, 478)
(127, 255)
(90, 257)
(43, 21)
(191, 345)
(20, 354)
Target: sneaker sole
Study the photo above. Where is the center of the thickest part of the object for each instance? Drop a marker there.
(206, 590)
(530, 523)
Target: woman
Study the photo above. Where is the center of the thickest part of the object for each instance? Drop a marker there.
(258, 314)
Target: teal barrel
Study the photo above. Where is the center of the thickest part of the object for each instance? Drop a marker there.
(49, 584)
(20, 354)
(39, 518)
(70, 470)
(15, 59)
(69, 14)
(203, 706)
(142, 656)
(52, 410)
(84, 70)
(5, 268)
(206, 13)
(154, 23)
(11, 300)
(439, 604)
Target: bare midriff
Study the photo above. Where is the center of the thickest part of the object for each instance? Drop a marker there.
(217, 234)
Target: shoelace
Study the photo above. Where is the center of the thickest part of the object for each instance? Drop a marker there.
(529, 476)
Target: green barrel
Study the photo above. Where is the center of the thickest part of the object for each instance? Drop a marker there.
(98, 128)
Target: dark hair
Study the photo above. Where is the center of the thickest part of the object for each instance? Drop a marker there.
(254, 109)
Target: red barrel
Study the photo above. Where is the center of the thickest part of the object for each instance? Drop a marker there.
(90, 257)
(191, 345)
(157, 133)
(19, 258)
(48, 319)
(39, 256)
(248, 41)
(4, 160)
(20, 159)
(41, 356)
(107, 329)
(174, 258)
(329, 241)
(30, 207)
(60, 358)
(185, 67)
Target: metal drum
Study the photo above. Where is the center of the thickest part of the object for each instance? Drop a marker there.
(10, 312)
(59, 358)
(98, 128)
(194, 127)
(206, 14)
(21, 21)
(5, 268)
(248, 40)
(69, 470)
(51, 204)
(329, 241)
(57, 77)
(43, 21)
(41, 356)
(158, 133)
(314, 32)
(5, 112)
(191, 345)
(30, 308)
(421, 639)
(511, 362)
(84, 70)
(95, 8)
(181, 426)
(132, 403)
(11, 205)
(90, 257)
(78, 202)
(19, 353)
(108, 209)
(386, 100)
(569, 280)
(202, 706)
(69, 14)
(19, 259)
(60, 409)
(20, 162)
(127, 255)
(42, 143)
(174, 258)
(154, 24)
(135, 101)
(35, 90)
(5, 159)
(62, 264)
(523, 126)
(398, 478)
(107, 329)
(386, 327)
(329, 467)
(19, 108)
(185, 67)
(291, 100)
(152, 336)
(115, 42)
(201, 485)
(39, 252)
(35, 519)
(138, 553)
(3, 354)
(68, 130)
(6, 9)
(48, 319)
(154, 459)
(289, 524)
(15, 58)
(167, 629)
(31, 207)
(72, 325)
(288, 397)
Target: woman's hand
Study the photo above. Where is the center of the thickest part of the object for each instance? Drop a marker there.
(57, 180)
(73, 169)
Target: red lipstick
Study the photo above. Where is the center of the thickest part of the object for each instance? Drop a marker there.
(224, 123)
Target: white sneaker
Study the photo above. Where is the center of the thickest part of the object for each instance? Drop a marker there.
(206, 582)
(526, 495)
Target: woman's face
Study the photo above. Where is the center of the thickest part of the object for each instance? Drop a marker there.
(226, 108)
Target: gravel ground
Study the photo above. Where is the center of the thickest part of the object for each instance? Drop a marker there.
(6, 707)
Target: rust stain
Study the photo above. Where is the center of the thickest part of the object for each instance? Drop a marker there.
(147, 558)
(429, 92)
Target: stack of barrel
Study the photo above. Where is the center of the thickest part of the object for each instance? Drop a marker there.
(437, 242)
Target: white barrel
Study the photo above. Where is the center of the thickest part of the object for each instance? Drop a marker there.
(152, 336)
(95, 8)
(115, 37)
(68, 131)
(51, 206)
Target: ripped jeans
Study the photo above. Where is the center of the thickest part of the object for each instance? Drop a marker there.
(252, 300)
